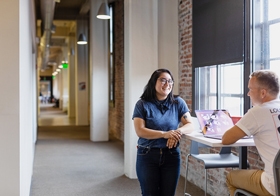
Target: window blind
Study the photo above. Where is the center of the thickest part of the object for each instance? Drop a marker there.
(218, 32)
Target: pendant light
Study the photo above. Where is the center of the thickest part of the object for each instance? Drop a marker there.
(103, 12)
(82, 39)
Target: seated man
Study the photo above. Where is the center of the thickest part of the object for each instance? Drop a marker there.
(263, 122)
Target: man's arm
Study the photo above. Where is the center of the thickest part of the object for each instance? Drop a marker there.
(232, 135)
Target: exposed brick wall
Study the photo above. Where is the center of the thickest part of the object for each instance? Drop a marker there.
(216, 177)
(116, 112)
(185, 51)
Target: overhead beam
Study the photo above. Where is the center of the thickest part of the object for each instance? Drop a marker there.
(85, 7)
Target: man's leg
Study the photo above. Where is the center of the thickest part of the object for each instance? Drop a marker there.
(249, 180)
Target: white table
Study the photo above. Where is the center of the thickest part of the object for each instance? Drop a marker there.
(242, 144)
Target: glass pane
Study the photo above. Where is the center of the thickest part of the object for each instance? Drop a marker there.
(274, 42)
(206, 87)
(111, 60)
(212, 102)
(273, 9)
(234, 105)
(266, 34)
(213, 80)
(275, 66)
(232, 88)
(111, 29)
(232, 79)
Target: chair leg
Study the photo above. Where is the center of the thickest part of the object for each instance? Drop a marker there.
(186, 176)
(205, 191)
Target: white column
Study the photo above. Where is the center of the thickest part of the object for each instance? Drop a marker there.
(168, 36)
(59, 77)
(71, 78)
(17, 104)
(82, 84)
(65, 84)
(141, 60)
(99, 93)
(56, 92)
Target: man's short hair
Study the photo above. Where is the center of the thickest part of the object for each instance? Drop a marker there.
(267, 79)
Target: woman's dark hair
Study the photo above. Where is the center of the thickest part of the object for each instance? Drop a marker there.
(149, 93)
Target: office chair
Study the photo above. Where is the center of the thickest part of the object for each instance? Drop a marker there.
(224, 159)
(276, 173)
(243, 192)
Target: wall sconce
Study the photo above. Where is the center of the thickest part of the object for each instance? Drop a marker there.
(72, 52)
(82, 39)
(53, 28)
(103, 12)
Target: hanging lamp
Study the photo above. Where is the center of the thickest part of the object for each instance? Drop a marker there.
(82, 39)
(103, 12)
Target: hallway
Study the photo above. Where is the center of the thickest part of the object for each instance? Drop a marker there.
(53, 116)
(67, 163)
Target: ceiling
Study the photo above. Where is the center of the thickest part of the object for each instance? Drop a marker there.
(63, 14)
(65, 9)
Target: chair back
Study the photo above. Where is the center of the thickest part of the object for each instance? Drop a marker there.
(276, 171)
(225, 150)
(195, 147)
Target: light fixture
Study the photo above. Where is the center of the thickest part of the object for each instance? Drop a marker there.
(53, 28)
(72, 52)
(82, 39)
(103, 12)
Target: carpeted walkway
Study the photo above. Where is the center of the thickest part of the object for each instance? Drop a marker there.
(67, 163)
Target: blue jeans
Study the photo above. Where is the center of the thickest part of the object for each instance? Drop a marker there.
(158, 170)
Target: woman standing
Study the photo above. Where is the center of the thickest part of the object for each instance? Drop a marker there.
(157, 116)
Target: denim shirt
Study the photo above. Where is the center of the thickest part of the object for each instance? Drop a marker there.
(162, 116)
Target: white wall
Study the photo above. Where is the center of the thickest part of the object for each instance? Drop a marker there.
(18, 97)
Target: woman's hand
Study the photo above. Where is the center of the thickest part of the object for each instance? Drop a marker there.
(173, 138)
(173, 134)
(171, 143)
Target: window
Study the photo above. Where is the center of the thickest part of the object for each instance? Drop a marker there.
(224, 86)
(111, 60)
(220, 87)
(266, 33)
(218, 55)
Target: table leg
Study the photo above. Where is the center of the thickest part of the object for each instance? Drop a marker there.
(243, 157)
